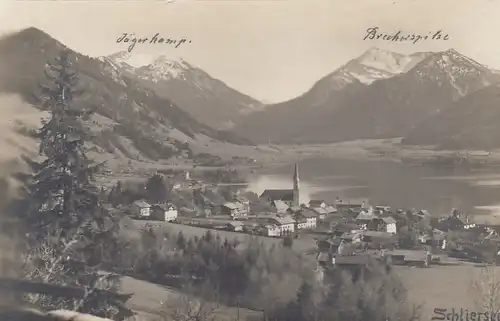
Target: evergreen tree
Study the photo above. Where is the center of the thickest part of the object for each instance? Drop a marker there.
(288, 242)
(156, 189)
(63, 211)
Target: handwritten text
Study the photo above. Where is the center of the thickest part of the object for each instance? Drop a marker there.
(131, 39)
(464, 315)
(373, 33)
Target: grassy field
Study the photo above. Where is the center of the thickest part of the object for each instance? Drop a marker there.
(443, 287)
(151, 300)
(299, 245)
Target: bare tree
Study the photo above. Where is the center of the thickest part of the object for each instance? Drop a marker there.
(205, 306)
(486, 288)
(45, 264)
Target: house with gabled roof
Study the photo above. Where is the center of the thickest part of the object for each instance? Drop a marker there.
(389, 224)
(233, 209)
(272, 230)
(311, 218)
(141, 209)
(280, 206)
(235, 226)
(300, 222)
(331, 209)
(320, 212)
(164, 212)
(286, 223)
(367, 219)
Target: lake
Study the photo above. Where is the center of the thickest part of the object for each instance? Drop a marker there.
(381, 182)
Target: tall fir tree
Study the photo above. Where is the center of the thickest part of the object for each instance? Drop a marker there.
(63, 210)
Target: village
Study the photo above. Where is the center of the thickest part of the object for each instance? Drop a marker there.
(342, 234)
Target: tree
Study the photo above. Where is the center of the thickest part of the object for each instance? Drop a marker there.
(156, 189)
(62, 213)
(288, 242)
(486, 289)
(187, 307)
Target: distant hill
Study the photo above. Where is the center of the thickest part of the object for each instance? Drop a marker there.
(207, 99)
(377, 95)
(469, 123)
(131, 120)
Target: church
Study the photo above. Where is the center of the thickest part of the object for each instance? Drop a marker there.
(290, 197)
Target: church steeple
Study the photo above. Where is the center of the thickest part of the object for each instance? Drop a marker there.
(296, 195)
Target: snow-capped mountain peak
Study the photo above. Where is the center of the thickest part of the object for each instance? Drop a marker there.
(120, 57)
(456, 69)
(127, 59)
(375, 64)
(383, 60)
(164, 68)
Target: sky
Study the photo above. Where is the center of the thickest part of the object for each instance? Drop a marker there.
(272, 50)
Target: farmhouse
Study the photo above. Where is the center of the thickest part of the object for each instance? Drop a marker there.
(311, 218)
(355, 264)
(285, 223)
(164, 212)
(300, 222)
(410, 257)
(141, 209)
(244, 201)
(233, 209)
(389, 225)
(235, 226)
(367, 219)
(320, 213)
(272, 230)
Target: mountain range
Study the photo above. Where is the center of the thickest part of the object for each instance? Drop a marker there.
(383, 94)
(207, 99)
(165, 107)
(131, 119)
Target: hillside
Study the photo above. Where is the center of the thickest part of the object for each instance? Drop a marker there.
(469, 123)
(359, 101)
(131, 121)
(207, 99)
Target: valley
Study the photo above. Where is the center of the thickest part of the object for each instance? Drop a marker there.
(378, 116)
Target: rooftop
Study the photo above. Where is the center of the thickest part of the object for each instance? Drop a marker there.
(388, 220)
(233, 205)
(280, 205)
(284, 220)
(142, 204)
(278, 194)
(163, 206)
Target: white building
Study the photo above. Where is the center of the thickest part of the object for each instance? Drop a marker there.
(285, 223)
(272, 230)
(141, 209)
(306, 219)
(390, 225)
(164, 212)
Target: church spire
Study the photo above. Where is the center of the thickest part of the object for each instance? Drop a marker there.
(296, 195)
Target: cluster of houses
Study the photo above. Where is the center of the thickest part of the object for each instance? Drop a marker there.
(360, 234)
(161, 212)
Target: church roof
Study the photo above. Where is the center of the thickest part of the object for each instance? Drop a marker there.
(278, 194)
